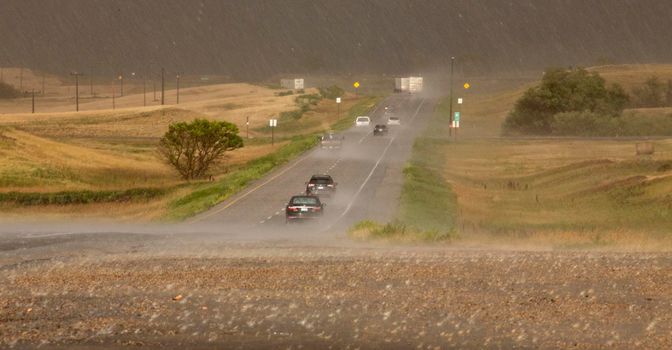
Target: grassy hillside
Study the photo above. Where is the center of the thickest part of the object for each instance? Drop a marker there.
(543, 191)
(103, 162)
(562, 191)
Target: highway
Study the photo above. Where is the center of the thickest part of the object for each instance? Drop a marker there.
(239, 277)
(368, 170)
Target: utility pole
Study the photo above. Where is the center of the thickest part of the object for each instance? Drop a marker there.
(154, 89)
(91, 81)
(163, 86)
(452, 63)
(33, 100)
(113, 93)
(178, 88)
(76, 74)
(121, 82)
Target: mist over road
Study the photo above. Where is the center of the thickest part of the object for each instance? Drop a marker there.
(238, 277)
(368, 170)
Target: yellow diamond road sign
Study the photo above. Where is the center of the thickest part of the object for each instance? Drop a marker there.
(466, 85)
(356, 84)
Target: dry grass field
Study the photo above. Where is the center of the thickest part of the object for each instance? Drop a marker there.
(567, 192)
(100, 148)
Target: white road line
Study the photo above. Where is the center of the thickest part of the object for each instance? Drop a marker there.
(234, 201)
(216, 211)
(277, 212)
(262, 221)
(372, 113)
(375, 166)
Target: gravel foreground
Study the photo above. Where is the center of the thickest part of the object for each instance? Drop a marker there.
(339, 299)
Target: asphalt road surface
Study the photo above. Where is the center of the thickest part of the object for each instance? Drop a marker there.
(238, 277)
(368, 170)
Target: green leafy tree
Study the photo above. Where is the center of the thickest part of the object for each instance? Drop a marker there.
(193, 147)
(561, 91)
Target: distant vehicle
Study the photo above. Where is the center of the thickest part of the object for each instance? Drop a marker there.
(380, 130)
(389, 108)
(393, 120)
(401, 84)
(409, 84)
(303, 207)
(321, 185)
(363, 120)
(331, 141)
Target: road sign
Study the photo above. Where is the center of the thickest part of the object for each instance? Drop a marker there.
(457, 117)
(356, 84)
(455, 124)
(459, 101)
(338, 100)
(273, 123)
(466, 85)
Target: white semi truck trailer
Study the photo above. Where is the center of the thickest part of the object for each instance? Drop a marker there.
(410, 84)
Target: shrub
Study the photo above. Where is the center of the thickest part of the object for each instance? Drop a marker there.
(312, 99)
(193, 147)
(80, 197)
(593, 124)
(285, 93)
(654, 93)
(585, 124)
(7, 91)
(561, 90)
(332, 92)
(304, 102)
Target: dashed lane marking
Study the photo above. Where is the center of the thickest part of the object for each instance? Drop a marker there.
(375, 166)
(236, 200)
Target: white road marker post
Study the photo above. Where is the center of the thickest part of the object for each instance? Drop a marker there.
(273, 123)
(338, 108)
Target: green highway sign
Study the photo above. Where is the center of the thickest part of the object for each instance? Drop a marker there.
(457, 117)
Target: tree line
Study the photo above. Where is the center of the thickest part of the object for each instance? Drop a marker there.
(577, 102)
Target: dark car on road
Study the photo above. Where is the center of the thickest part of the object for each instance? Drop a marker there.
(319, 185)
(380, 130)
(303, 207)
(331, 141)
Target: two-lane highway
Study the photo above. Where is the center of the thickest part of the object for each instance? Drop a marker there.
(368, 170)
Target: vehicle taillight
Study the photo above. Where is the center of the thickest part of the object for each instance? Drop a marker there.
(317, 209)
(330, 185)
(293, 209)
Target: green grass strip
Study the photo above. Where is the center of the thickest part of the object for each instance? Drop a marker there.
(205, 196)
(428, 206)
(80, 197)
